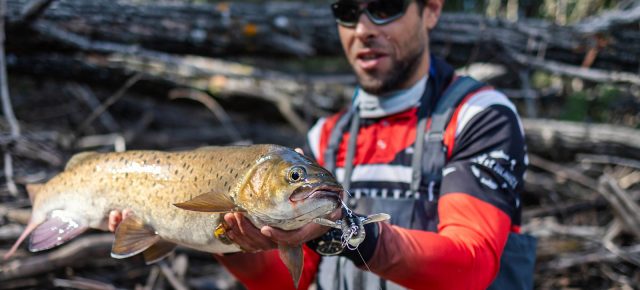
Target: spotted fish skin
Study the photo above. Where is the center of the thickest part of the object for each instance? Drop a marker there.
(256, 179)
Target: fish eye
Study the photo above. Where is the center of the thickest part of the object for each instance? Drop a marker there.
(297, 173)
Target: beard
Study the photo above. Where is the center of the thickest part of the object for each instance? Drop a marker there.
(401, 71)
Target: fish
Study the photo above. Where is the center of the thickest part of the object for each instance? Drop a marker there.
(179, 198)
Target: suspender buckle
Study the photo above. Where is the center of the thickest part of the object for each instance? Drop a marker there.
(434, 137)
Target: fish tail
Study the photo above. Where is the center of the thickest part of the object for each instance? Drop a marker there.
(30, 227)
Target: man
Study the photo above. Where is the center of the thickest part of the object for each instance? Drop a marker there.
(449, 227)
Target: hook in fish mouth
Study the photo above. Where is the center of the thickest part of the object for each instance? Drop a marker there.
(316, 191)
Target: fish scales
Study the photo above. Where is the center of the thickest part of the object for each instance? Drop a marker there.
(136, 180)
(178, 198)
(151, 182)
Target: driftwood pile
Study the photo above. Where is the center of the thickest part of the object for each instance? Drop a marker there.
(107, 75)
(581, 193)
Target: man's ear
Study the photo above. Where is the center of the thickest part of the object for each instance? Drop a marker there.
(431, 13)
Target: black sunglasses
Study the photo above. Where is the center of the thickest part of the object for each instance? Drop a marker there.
(380, 12)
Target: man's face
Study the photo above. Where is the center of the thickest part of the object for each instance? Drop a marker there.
(391, 56)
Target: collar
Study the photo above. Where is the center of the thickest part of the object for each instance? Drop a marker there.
(377, 106)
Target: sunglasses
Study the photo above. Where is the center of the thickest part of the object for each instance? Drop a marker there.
(380, 12)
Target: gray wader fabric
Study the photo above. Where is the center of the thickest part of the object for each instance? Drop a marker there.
(338, 273)
(516, 264)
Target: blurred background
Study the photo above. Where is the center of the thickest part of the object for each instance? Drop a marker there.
(134, 74)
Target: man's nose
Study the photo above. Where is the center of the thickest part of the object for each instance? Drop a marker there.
(365, 29)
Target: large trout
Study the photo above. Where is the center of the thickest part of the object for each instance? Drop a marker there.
(273, 185)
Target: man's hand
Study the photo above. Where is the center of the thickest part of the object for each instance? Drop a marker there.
(251, 239)
(301, 235)
(242, 232)
(116, 217)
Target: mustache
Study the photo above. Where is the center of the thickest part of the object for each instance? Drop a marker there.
(370, 44)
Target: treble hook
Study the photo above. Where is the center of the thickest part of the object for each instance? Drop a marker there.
(352, 226)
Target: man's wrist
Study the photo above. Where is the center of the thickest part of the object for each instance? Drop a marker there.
(360, 255)
(331, 244)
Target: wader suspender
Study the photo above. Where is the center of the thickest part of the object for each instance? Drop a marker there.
(429, 163)
(518, 258)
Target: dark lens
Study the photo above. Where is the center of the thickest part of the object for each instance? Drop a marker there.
(385, 9)
(345, 11)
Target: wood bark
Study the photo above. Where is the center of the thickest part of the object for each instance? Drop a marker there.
(599, 49)
(563, 139)
(307, 95)
(72, 254)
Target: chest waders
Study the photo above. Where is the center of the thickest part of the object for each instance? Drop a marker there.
(428, 160)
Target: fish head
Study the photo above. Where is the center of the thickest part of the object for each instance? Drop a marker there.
(288, 190)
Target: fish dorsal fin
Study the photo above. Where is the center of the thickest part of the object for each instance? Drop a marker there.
(210, 202)
(293, 259)
(79, 158)
(133, 236)
(158, 251)
(33, 190)
(205, 148)
(59, 227)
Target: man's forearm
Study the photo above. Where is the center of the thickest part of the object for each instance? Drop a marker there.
(464, 254)
(265, 270)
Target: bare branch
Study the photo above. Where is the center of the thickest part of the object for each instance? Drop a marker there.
(7, 108)
(625, 207)
(570, 260)
(72, 254)
(33, 10)
(110, 101)
(213, 106)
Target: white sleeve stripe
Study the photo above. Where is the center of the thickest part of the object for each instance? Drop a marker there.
(314, 137)
(478, 103)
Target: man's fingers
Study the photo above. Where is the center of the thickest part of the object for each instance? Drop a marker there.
(242, 223)
(230, 219)
(126, 213)
(242, 232)
(251, 244)
(296, 237)
(252, 235)
(114, 219)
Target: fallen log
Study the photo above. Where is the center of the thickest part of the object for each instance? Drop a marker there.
(74, 253)
(601, 256)
(606, 52)
(313, 95)
(623, 204)
(563, 139)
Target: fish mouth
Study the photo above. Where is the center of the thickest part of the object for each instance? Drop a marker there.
(316, 191)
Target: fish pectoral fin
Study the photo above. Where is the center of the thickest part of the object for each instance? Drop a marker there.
(293, 259)
(158, 251)
(59, 227)
(209, 202)
(79, 158)
(133, 236)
